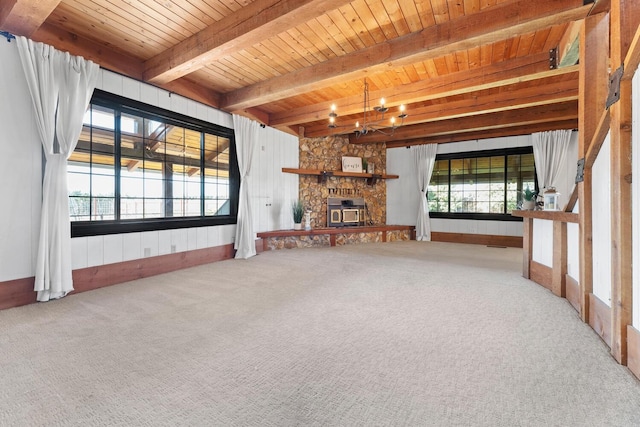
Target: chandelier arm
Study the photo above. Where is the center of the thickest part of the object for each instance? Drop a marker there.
(369, 125)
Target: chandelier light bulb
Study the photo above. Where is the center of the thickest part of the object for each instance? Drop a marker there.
(402, 108)
(393, 121)
(357, 125)
(333, 107)
(332, 120)
(382, 102)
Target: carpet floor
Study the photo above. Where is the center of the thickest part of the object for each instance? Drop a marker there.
(389, 334)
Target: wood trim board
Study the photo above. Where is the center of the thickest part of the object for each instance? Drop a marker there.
(600, 318)
(633, 350)
(478, 239)
(573, 292)
(15, 293)
(541, 274)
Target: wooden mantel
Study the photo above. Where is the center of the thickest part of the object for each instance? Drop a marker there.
(559, 216)
(324, 174)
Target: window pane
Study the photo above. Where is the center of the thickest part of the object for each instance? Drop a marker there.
(91, 174)
(157, 171)
(131, 208)
(520, 175)
(216, 186)
(102, 208)
(480, 184)
(438, 194)
(132, 187)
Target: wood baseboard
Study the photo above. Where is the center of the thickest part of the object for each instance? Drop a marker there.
(14, 293)
(633, 350)
(477, 239)
(600, 318)
(19, 292)
(573, 292)
(541, 274)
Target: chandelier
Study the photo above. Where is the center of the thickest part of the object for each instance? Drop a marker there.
(372, 118)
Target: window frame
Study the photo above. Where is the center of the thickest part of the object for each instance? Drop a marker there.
(475, 154)
(129, 106)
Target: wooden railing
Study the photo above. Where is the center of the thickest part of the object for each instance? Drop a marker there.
(557, 283)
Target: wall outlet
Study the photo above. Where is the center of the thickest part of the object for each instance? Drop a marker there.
(173, 249)
(147, 252)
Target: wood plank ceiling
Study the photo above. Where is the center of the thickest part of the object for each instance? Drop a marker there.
(465, 69)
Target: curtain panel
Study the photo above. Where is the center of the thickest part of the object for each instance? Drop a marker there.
(246, 132)
(550, 152)
(424, 157)
(60, 86)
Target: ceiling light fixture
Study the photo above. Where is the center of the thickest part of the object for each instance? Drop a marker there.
(372, 118)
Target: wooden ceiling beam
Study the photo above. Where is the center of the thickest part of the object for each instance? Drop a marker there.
(521, 117)
(491, 133)
(529, 68)
(547, 93)
(248, 26)
(23, 18)
(194, 91)
(491, 25)
(112, 60)
(99, 53)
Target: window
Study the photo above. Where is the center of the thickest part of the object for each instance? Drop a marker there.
(480, 185)
(139, 168)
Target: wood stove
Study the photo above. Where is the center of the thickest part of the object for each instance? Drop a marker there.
(345, 212)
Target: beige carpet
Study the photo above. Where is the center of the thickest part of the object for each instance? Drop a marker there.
(391, 334)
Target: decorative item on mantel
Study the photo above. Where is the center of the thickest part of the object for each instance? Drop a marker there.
(297, 209)
(307, 220)
(351, 164)
(551, 199)
(529, 202)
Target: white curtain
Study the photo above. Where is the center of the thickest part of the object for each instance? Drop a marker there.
(549, 152)
(246, 132)
(60, 86)
(424, 158)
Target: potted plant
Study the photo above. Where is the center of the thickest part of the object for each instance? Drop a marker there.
(529, 202)
(297, 209)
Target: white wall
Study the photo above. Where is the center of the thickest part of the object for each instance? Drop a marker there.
(273, 191)
(403, 194)
(601, 219)
(542, 245)
(21, 172)
(573, 249)
(635, 196)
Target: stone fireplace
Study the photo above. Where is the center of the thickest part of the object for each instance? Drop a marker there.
(326, 154)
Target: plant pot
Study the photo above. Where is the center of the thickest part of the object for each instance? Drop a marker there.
(297, 226)
(528, 205)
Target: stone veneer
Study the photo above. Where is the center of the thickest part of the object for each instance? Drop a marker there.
(326, 154)
(290, 242)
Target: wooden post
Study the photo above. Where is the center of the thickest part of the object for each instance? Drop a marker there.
(527, 246)
(586, 244)
(594, 49)
(624, 21)
(559, 272)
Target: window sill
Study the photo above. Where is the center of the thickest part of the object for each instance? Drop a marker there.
(100, 228)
